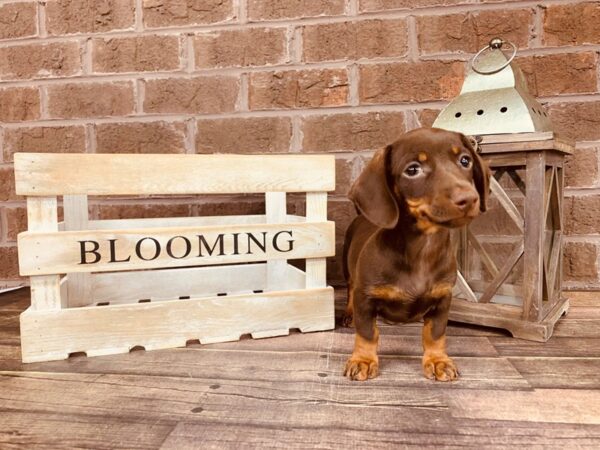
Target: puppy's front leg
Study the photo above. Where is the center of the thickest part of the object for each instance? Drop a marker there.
(436, 363)
(364, 362)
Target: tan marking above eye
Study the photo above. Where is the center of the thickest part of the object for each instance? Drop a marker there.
(422, 157)
(455, 150)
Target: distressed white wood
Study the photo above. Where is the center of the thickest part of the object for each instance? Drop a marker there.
(42, 215)
(464, 288)
(76, 215)
(165, 222)
(165, 301)
(128, 174)
(310, 239)
(316, 211)
(171, 284)
(275, 211)
(111, 329)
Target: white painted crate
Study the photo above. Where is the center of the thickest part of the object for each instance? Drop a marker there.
(106, 286)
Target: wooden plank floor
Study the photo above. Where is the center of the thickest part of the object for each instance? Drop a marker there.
(288, 392)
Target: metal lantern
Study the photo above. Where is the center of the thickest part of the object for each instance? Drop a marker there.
(510, 258)
(494, 98)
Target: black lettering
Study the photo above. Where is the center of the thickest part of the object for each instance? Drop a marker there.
(262, 246)
(138, 249)
(83, 252)
(188, 247)
(290, 242)
(210, 250)
(113, 251)
(235, 243)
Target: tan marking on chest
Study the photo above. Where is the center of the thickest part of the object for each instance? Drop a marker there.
(440, 290)
(389, 292)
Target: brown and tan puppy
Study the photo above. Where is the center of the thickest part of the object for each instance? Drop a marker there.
(399, 262)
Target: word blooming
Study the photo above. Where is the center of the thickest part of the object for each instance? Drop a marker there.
(179, 247)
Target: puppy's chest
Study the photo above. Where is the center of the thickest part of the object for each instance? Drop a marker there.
(408, 303)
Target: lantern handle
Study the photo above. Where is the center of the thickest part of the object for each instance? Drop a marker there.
(495, 44)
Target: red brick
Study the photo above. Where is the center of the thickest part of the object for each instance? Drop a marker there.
(88, 16)
(298, 89)
(170, 13)
(7, 184)
(410, 82)
(427, 116)
(9, 263)
(355, 40)
(66, 139)
(141, 210)
(469, 32)
(578, 121)
(346, 170)
(572, 24)
(293, 9)
(580, 262)
(252, 135)
(233, 205)
(19, 104)
(351, 132)
(240, 48)
(16, 221)
(383, 5)
(191, 95)
(18, 20)
(581, 214)
(568, 73)
(141, 137)
(137, 54)
(40, 61)
(69, 101)
(581, 168)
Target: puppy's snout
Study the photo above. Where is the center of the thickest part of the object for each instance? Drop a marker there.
(464, 199)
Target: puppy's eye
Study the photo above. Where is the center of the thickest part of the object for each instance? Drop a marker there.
(465, 161)
(413, 170)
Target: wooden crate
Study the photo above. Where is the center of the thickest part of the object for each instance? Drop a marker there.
(522, 291)
(106, 286)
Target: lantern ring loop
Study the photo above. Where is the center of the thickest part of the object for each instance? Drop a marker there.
(495, 44)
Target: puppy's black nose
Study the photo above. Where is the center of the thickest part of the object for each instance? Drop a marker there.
(464, 200)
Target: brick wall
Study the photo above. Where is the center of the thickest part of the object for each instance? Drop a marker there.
(286, 76)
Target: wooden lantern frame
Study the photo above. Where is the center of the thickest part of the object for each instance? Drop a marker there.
(133, 299)
(529, 311)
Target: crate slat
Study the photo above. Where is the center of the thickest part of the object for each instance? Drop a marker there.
(126, 174)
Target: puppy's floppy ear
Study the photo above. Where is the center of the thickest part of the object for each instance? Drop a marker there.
(481, 171)
(371, 193)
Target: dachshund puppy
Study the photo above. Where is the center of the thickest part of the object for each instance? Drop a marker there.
(398, 259)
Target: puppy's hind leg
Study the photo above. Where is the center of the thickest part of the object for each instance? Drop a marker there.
(348, 316)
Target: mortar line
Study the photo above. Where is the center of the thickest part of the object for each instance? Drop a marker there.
(190, 136)
(139, 20)
(41, 22)
(43, 103)
(190, 57)
(413, 40)
(537, 28)
(90, 138)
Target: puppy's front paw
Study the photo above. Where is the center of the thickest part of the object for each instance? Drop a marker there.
(440, 368)
(361, 369)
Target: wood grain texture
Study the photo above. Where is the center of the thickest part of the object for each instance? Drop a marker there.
(129, 174)
(289, 392)
(309, 240)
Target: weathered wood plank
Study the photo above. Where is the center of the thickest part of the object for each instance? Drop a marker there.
(543, 405)
(57, 430)
(567, 347)
(565, 373)
(128, 174)
(154, 248)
